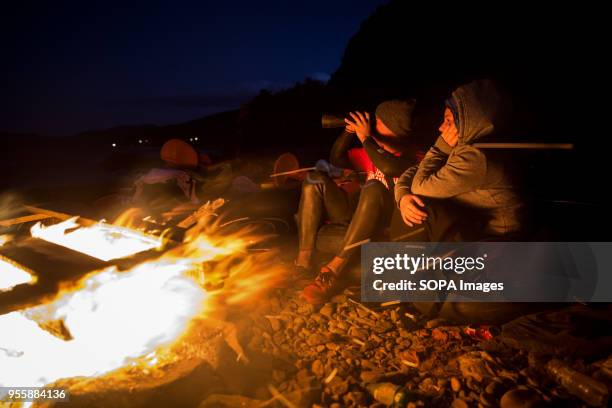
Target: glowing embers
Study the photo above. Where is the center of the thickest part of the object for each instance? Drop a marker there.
(102, 241)
(11, 275)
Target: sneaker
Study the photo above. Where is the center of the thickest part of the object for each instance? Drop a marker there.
(323, 287)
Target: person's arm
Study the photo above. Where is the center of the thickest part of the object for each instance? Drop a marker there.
(339, 152)
(404, 183)
(443, 175)
(411, 207)
(390, 165)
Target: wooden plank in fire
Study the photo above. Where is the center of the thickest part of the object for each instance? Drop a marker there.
(24, 219)
(206, 210)
(58, 215)
(54, 267)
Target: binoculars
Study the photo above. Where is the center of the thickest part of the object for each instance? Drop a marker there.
(331, 121)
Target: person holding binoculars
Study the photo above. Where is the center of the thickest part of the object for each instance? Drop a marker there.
(386, 151)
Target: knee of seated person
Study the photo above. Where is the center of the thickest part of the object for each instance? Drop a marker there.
(373, 189)
(314, 179)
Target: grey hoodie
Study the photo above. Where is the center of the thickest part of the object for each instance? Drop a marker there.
(465, 173)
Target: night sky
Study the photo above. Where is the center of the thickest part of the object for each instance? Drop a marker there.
(70, 67)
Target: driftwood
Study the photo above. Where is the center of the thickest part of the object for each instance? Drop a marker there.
(24, 219)
(58, 215)
(537, 146)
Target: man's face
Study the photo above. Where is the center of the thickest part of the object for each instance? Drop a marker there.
(385, 132)
(448, 130)
(448, 124)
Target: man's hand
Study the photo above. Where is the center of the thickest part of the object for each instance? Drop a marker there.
(360, 125)
(451, 136)
(411, 213)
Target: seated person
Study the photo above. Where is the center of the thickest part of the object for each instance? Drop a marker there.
(386, 156)
(455, 178)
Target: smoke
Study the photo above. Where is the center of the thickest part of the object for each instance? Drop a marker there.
(11, 204)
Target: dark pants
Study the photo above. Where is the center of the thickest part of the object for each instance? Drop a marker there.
(446, 221)
(321, 196)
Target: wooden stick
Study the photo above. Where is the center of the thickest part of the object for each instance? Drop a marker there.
(359, 342)
(411, 316)
(409, 234)
(280, 397)
(284, 173)
(409, 363)
(331, 376)
(363, 307)
(356, 244)
(540, 146)
(59, 215)
(26, 218)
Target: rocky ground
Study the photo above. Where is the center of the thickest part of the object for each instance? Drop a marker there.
(346, 353)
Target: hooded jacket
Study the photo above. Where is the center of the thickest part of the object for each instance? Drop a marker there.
(465, 173)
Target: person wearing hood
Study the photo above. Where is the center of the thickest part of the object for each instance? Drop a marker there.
(456, 172)
(384, 154)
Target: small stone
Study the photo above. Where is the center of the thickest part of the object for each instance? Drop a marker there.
(332, 346)
(305, 309)
(355, 399)
(338, 386)
(328, 310)
(520, 398)
(339, 299)
(371, 376)
(439, 335)
(317, 318)
(358, 333)
(383, 326)
(298, 323)
(275, 324)
(459, 403)
(432, 324)
(427, 385)
(455, 384)
(317, 368)
(315, 339)
(367, 364)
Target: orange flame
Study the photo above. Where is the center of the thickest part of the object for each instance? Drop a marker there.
(114, 318)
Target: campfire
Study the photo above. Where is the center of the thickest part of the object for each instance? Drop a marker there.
(112, 318)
